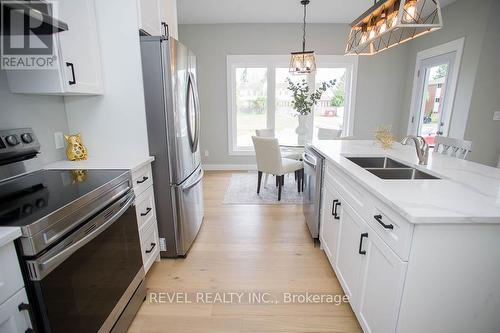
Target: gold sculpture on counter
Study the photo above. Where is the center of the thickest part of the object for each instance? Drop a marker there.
(75, 151)
(384, 136)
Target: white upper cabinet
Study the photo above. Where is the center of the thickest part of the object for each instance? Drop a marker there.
(77, 51)
(168, 13)
(154, 14)
(149, 16)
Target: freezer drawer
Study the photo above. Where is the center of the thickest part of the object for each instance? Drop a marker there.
(189, 205)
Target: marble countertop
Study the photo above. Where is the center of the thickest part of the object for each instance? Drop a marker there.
(8, 234)
(132, 164)
(467, 193)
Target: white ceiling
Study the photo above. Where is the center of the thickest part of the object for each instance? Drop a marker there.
(271, 11)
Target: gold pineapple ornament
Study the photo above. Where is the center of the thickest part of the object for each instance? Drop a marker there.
(75, 150)
(384, 136)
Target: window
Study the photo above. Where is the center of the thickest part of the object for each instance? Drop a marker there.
(436, 74)
(258, 98)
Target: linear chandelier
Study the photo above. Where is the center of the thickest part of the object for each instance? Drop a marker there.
(303, 62)
(389, 23)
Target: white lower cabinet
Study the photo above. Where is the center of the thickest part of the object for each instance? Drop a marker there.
(403, 277)
(14, 316)
(381, 286)
(370, 273)
(329, 228)
(349, 259)
(142, 180)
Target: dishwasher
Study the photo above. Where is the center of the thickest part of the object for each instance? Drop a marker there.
(313, 179)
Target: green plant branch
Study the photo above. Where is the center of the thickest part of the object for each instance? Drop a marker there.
(304, 101)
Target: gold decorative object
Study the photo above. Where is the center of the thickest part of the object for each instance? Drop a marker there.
(384, 136)
(79, 176)
(75, 151)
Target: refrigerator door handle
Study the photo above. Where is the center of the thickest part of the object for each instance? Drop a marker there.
(194, 91)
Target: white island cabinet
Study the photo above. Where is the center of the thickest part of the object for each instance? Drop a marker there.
(413, 255)
(78, 57)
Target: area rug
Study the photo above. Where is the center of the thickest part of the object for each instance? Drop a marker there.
(242, 190)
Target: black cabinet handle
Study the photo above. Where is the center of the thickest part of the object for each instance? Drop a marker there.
(142, 180)
(73, 81)
(360, 251)
(379, 220)
(147, 211)
(334, 207)
(336, 216)
(24, 307)
(151, 249)
(165, 28)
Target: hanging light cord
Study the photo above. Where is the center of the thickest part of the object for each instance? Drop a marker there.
(304, 27)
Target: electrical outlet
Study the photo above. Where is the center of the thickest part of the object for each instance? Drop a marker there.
(496, 115)
(207, 153)
(59, 139)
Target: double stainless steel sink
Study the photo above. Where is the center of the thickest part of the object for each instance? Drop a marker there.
(387, 168)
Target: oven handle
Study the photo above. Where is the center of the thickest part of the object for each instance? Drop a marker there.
(45, 266)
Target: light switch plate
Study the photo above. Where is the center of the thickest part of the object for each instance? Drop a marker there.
(207, 153)
(496, 115)
(59, 139)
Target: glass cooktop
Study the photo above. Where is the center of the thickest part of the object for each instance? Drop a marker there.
(28, 198)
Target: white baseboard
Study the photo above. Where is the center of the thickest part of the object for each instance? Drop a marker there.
(229, 167)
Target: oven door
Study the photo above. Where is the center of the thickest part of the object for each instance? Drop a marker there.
(84, 283)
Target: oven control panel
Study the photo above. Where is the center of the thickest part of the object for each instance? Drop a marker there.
(18, 142)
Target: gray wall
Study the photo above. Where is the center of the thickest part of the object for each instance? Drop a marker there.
(381, 78)
(484, 132)
(45, 114)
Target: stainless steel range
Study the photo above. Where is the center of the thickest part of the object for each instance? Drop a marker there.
(80, 249)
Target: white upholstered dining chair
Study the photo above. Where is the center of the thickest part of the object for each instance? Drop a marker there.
(452, 147)
(270, 161)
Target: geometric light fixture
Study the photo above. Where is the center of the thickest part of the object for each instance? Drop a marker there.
(389, 23)
(303, 62)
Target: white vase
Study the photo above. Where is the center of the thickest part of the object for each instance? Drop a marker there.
(302, 129)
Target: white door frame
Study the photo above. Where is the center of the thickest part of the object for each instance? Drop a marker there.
(456, 46)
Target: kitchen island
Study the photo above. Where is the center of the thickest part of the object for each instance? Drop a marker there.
(413, 255)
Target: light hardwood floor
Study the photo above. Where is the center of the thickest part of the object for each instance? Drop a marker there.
(245, 248)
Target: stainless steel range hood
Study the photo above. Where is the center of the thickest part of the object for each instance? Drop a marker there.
(37, 13)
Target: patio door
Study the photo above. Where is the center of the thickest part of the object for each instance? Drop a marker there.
(431, 113)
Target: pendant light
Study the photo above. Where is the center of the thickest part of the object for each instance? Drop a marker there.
(303, 62)
(389, 23)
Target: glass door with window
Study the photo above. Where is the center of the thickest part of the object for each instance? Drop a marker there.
(431, 117)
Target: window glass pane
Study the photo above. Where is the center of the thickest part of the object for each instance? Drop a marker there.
(329, 112)
(285, 117)
(431, 107)
(251, 103)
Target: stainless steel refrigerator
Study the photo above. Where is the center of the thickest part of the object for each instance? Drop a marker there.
(173, 120)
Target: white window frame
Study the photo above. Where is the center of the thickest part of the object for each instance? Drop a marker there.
(271, 62)
(456, 46)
